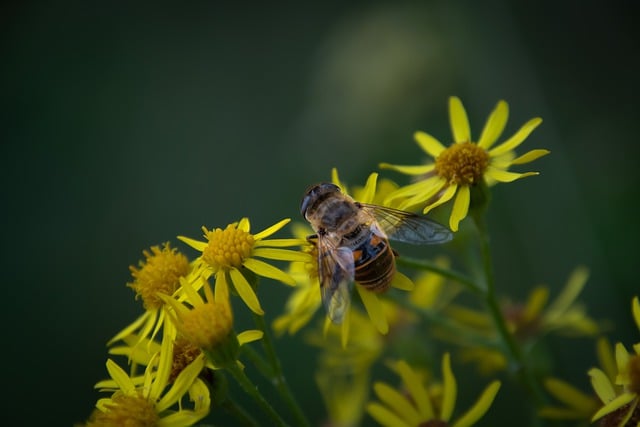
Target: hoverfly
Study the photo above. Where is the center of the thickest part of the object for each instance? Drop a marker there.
(352, 239)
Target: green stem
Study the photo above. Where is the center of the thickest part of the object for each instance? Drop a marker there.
(277, 378)
(246, 384)
(237, 411)
(513, 348)
(444, 272)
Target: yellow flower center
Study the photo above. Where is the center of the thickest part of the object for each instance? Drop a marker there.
(462, 163)
(227, 248)
(125, 410)
(184, 352)
(207, 325)
(159, 273)
(634, 374)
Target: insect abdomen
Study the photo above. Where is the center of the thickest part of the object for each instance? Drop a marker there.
(374, 264)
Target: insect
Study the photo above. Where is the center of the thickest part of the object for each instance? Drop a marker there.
(352, 239)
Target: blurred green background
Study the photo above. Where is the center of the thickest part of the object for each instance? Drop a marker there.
(127, 123)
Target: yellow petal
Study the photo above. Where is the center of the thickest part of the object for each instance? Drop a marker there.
(409, 170)
(369, 190)
(261, 268)
(270, 230)
(460, 207)
(572, 289)
(459, 121)
(181, 384)
(635, 308)
(506, 176)
(429, 144)
(444, 198)
(249, 336)
(245, 291)
(134, 326)
(613, 405)
(398, 403)
(480, 408)
(606, 358)
(601, 385)
(450, 389)
(121, 378)
(385, 417)
(530, 156)
(375, 309)
(494, 126)
(535, 303)
(195, 244)
(400, 281)
(280, 254)
(516, 139)
(416, 390)
(568, 394)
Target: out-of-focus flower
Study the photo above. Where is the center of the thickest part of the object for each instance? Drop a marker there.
(412, 405)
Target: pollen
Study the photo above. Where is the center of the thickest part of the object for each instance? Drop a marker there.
(126, 410)
(227, 248)
(462, 163)
(633, 368)
(160, 272)
(207, 325)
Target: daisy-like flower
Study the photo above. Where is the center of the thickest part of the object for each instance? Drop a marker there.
(464, 164)
(208, 324)
(230, 253)
(573, 403)
(160, 272)
(344, 371)
(529, 320)
(413, 405)
(620, 398)
(153, 402)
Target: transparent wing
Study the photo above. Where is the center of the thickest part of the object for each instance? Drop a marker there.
(408, 227)
(336, 271)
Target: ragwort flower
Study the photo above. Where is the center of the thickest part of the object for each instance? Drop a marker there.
(151, 402)
(160, 272)
(413, 405)
(229, 253)
(620, 396)
(208, 324)
(464, 164)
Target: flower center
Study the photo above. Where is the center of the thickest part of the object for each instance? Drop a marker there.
(462, 163)
(159, 273)
(634, 374)
(126, 411)
(227, 248)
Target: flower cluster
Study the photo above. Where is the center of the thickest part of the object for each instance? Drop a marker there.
(362, 300)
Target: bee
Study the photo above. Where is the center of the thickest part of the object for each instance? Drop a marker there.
(352, 240)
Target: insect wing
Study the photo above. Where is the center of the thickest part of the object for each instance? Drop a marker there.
(408, 227)
(336, 271)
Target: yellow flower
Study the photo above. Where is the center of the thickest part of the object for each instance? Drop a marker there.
(152, 401)
(413, 405)
(459, 167)
(160, 272)
(208, 324)
(344, 370)
(231, 253)
(575, 404)
(433, 291)
(620, 405)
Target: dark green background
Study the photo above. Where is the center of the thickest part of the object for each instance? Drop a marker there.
(124, 125)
